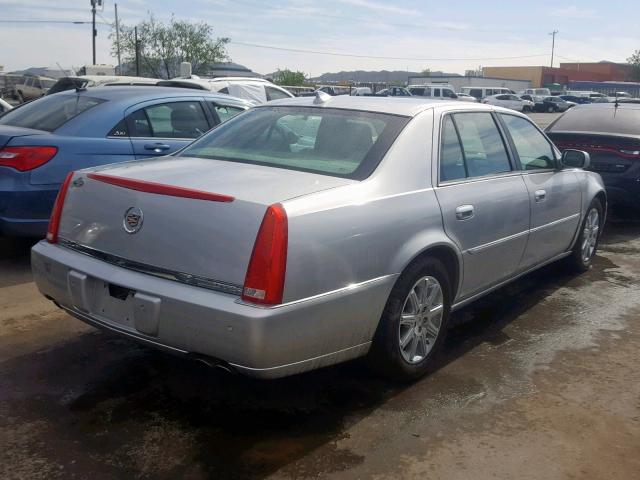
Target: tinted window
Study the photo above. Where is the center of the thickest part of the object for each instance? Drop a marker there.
(624, 120)
(533, 148)
(502, 97)
(417, 91)
(49, 113)
(335, 142)
(451, 158)
(120, 130)
(436, 92)
(484, 150)
(475, 92)
(169, 120)
(275, 94)
(226, 112)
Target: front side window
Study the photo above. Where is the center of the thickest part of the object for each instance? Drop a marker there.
(482, 144)
(534, 150)
(169, 120)
(328, 141)
(49, 113)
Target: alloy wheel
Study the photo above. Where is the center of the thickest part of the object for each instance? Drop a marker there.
(421, 319)
(590, 234)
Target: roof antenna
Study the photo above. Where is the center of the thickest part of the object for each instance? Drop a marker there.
(321, 97)
(617, 104)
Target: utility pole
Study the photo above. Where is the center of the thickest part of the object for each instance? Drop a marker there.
(135, 29)
(553, 44)
(93, 29)
(118, 41)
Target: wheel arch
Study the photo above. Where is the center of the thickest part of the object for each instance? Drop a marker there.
(448, 254)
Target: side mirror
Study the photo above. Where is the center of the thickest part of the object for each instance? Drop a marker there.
(575, 159)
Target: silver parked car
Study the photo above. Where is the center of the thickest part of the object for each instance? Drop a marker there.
(310, 231)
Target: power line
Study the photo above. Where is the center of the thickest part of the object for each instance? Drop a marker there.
(353, 55)
(75, 22)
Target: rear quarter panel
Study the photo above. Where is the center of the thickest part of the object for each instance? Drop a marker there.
(368, 230)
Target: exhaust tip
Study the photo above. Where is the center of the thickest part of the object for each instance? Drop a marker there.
(212, 362)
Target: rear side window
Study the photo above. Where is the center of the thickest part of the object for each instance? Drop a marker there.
(534, 150)
(417, 91)
(275, 94)
(483, 149)
(226, 112)
(329, 141)
(624, 120)
(451, 158)
(169, 120)
(475, 92)
(49, 113)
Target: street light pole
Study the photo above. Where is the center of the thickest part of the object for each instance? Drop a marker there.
(553, 44)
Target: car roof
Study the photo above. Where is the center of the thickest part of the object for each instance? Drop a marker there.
(626, 105)
(144, 93)
(405, 106)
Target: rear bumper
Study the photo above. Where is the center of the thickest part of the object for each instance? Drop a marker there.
(25, 213)
(261, 342)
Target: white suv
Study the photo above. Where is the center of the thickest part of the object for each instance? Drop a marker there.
(256, 90)
(434, 91)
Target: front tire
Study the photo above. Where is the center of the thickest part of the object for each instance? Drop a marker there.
(587, 243)
(414, 322)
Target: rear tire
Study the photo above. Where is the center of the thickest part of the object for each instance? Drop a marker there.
(587, 243)
(414, 322)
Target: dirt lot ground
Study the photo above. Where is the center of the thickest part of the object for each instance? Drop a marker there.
(538, 380)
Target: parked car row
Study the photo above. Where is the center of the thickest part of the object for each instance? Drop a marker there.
(303, 232)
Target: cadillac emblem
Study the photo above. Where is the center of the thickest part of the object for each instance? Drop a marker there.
(132, 222)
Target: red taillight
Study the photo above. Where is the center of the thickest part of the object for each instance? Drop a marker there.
(264, 282)
(26, 158)
(54, 220)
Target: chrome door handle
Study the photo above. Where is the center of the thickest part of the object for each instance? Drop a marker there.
(464, 212)
(540, 195)
(157, 147)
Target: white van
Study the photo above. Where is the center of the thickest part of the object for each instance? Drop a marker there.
(482, 92)
(437, 91)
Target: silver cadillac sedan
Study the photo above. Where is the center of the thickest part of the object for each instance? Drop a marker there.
(311, 231)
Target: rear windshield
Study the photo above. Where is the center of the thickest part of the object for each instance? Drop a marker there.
(335, 142)
(622, 120)
(49, 113)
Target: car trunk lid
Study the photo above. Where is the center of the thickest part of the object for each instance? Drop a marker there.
(7, 132)
(196, 218)
(609, 153)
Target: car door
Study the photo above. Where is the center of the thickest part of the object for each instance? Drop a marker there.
(555, 195)
(161, 127)
(483, 198)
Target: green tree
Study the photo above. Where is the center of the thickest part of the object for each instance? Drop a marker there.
(290, 78)
(164, 46)
(426, 72)
(634, 61)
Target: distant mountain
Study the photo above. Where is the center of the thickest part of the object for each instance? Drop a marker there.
(383, 76)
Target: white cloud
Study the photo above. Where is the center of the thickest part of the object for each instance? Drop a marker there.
(380, 7)
(574, 12)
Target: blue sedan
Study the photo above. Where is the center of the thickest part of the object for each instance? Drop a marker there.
(40, 142)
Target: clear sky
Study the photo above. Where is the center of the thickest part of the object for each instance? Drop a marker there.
(440, 35)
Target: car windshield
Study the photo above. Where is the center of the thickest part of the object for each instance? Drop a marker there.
(621, 120)
(341, 143)
(49, 113)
